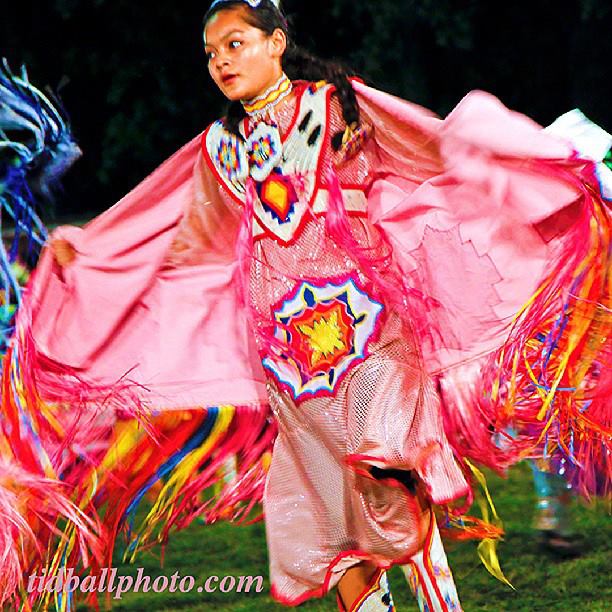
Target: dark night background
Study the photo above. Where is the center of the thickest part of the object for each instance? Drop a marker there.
(134, 81)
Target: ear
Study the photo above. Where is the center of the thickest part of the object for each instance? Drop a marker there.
(278, 43)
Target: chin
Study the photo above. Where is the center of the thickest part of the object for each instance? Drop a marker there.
(234, 97)
(235, 94)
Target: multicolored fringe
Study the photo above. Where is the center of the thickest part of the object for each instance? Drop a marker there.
(552, 379)
(550, 382)
(77, 461)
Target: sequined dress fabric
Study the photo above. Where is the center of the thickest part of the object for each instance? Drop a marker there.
(323, 511)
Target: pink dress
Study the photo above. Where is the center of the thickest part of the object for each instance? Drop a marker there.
(345, 379)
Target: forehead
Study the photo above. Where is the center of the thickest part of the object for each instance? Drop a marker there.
(224, 23)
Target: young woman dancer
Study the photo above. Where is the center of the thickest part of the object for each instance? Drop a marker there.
(323, 251)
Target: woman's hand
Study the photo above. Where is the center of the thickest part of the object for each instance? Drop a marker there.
(63, 251)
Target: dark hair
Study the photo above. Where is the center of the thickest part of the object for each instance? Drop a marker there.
(297, 63)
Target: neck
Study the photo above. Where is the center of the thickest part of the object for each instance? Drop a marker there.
(269, 98)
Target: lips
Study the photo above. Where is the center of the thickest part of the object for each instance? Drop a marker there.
(228, 78)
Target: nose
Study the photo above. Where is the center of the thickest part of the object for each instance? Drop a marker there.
(220, 62)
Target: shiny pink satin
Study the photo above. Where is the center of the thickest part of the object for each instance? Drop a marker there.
(464, 216)
(150, 296)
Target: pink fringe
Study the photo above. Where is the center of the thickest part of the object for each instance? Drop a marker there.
(57, 425)
(244, 244)
(337, 226)
(378, 265)
(472, 425)
(30, 508)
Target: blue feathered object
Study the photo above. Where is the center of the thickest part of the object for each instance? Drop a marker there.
(36, 149)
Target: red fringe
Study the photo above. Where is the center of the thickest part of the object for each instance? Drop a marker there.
(68, 476)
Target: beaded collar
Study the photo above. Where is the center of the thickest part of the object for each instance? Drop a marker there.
(264, 103)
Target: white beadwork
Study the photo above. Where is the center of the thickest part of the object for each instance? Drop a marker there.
(430, 577)
(265, 144)
(379, 600)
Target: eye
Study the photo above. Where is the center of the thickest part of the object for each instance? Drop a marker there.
(235, 44)
(210, 55)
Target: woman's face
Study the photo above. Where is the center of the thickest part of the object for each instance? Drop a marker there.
(242, 60)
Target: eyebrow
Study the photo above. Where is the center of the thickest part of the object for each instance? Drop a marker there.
(207, 44)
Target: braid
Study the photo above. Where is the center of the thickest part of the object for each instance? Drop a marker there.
(234, 115)
(300, 64)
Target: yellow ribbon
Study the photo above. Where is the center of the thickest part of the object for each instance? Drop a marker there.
(487, 549)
